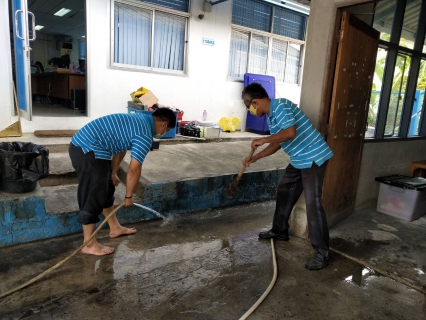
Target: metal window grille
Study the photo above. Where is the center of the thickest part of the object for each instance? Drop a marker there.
(293, 63)
(278, 59)
(258, 54)
(238, 54)
(283, 57)
(180, 5)
(289, 24)
(252, 14)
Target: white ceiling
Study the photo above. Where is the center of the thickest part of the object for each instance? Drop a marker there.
(73, 24)
(383, 18)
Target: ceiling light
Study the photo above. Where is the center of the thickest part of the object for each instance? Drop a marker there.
(83, 36)
(39, 27)
(62, 12)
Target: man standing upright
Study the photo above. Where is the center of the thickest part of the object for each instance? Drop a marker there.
(292, 131)
(96, 152)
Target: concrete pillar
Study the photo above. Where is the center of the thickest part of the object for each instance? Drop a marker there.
(319, 39)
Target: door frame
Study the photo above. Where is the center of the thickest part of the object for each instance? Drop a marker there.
(328, 88)
(21, 35)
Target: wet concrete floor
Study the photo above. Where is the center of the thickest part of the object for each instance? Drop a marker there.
(204, 265)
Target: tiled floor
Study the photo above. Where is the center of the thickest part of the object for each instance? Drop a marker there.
(46, 109)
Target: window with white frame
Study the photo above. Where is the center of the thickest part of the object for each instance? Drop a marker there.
(266, 39)
(148, 37)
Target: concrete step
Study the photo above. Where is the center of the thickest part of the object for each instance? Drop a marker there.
(61, 170)
(175, 179)
(63, 199)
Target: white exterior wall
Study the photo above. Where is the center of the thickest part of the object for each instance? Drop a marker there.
(205, 87)
(384, 159)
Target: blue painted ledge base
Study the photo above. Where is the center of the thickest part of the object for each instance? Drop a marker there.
(24, 219)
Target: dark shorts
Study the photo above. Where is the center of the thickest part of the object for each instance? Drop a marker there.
(95, 189)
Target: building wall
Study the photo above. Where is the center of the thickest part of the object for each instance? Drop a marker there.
(6, 91)
(205, 87)
(382, 159)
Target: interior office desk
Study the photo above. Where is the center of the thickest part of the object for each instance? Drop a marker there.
(57, 85)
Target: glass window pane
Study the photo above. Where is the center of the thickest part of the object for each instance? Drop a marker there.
(376, 93)
(252, 14)
(289, 24)
(424, 46)
(293, 63)
(238, 54)
(169, 41)
(278, 57)
(399, 86)
(419, 98)
(411, 21)
(258, 54)
(383, 18)
(132, 35)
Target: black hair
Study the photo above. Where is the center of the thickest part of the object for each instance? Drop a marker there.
(254, 91)
(166, 114)
(40, 65)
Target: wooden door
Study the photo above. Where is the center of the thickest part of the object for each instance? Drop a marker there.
(353, 76)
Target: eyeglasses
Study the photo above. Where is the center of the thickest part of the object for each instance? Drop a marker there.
(249, 104)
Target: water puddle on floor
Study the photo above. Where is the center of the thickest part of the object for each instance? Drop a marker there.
(130, 262)
(362, 277)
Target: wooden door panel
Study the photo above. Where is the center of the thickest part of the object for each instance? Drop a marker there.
(356, 58)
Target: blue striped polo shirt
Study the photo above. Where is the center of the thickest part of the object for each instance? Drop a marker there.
(308, 145)
(117, 133)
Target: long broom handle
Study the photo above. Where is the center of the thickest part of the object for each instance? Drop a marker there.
(244, 167)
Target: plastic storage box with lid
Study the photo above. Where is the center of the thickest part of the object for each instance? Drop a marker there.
(402, 197)
(171, 134)
(256, 124)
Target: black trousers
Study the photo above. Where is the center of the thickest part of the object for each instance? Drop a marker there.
(95, 189)
(289, 190)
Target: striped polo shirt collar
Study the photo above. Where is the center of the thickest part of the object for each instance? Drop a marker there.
(273, 103)
(151, 122)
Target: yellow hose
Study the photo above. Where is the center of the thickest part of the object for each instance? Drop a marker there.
(265, 294)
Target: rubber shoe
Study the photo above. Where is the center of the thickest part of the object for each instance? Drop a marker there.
(317, 262)
(270, 234)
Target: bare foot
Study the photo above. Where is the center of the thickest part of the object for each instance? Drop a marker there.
(121, 231)
(97, 249)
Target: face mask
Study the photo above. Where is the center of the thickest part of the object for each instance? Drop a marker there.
(159, 135)
(252, 110)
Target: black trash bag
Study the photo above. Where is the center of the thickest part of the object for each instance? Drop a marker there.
(22, 164)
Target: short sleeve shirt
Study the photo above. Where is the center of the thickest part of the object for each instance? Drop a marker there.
(117, 133)
(308, 146)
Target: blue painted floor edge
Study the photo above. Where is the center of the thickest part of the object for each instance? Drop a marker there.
(25, 219)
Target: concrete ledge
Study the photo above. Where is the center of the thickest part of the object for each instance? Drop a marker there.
(24, 218)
